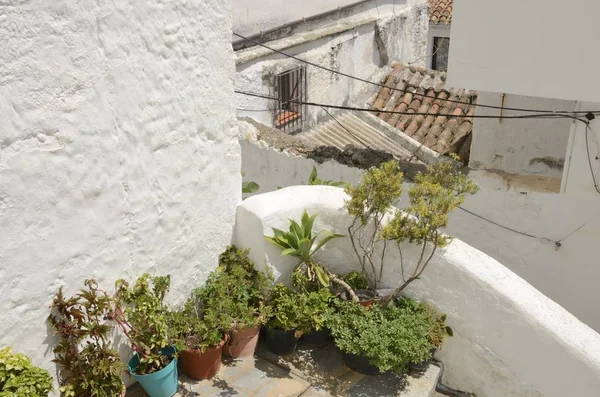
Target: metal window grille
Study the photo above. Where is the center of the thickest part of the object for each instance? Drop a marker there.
(290, 112)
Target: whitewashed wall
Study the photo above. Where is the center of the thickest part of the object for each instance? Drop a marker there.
(118, 154)
(254, 16)
(352, 51)
(510, 340)
(567, 274)
(535, 146)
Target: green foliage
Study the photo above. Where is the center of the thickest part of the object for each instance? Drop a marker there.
(433, 196)
(299, 311)
(379, 190)
(142, 315)
(315, 180)
(299, 242)
(249, 187)
(233, 297)
(19, 378)
(389, 336)
(89, 366)
(316, 307)
(286, 309)
(438, 329)
(190, 330)
(356, 280)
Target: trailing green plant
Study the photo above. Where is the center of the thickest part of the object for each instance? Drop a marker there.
(300, 242)
(20, 378)
(378, 225)
(356, 280)
(389, 336)
(89, 365)
(142, 315)
(315, 180)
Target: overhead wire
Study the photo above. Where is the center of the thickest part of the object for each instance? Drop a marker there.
(358, 109)
(316, 65)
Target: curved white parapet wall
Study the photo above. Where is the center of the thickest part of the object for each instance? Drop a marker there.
(509, 339)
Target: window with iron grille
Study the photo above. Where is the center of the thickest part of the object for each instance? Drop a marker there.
(291, 91)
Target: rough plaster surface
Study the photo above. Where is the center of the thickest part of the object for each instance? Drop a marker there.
(361, 46)
(568, 275)
(253, 16)
(119, 150)
(536, 146)
(510, 340)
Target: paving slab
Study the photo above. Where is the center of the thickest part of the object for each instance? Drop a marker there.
(310, 372)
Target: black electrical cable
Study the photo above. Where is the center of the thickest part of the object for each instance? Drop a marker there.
(405, 91)
(357, 109)
(589, 156)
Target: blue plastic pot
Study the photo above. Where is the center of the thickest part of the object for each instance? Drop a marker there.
(161, 383)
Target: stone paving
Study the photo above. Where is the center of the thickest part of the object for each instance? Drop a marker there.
(310, 372)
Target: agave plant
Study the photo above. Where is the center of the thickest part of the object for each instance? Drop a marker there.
(301, 242)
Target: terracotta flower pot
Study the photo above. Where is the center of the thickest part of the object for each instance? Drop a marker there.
(199, 365)
(242, 343)
(366, 297)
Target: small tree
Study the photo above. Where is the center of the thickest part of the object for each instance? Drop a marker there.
(435, 193)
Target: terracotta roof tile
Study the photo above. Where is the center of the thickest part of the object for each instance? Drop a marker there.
(440, 11)
(443, 129)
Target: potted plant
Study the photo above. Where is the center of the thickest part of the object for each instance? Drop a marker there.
(241, 300)
(316, 307)
(19, 378)
(140, 312)
(383, 338)
(88, 363)
(283, 327)
(378, 225)
(438, 330)
(300, 242)
(198, 338)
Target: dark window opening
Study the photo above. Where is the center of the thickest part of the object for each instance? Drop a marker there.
(291, 91)
(441, 47)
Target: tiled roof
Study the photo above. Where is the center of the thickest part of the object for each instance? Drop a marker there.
(440, 11)
(440, 130)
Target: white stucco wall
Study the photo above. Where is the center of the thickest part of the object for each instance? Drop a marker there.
(254, 16)
(510, 340)
(353, 51)
(531, 146)
(514, 46)
(118, 154)
(567, 274)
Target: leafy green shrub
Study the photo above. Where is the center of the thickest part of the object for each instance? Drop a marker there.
(286, 309)
(142, 315)
(19, 378)
(356, 280)
(433, 196)
(299, 311)
(190, 330)
(390, 336)
(89, 364)
(438, 329)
